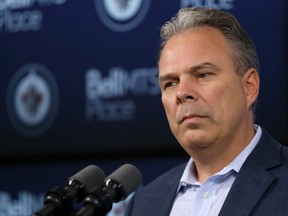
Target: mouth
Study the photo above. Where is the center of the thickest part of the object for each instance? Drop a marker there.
(190, 118)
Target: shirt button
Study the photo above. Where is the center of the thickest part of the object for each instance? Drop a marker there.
(206, 195)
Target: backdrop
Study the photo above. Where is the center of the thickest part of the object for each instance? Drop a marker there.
(78, 79)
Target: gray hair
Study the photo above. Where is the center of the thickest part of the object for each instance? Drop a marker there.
(242, 47)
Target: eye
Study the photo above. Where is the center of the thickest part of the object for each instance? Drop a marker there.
(168, 85)
(202, 75)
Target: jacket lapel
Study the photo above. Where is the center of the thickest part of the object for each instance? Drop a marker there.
(157, 199)
(253, 179)
(247, 190)
(167, 196)
(167, 193)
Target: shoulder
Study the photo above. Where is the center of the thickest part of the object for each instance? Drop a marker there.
(269, 154)
(267, 145)
(157, 195)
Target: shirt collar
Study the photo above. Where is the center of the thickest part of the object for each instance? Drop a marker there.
(189, 178)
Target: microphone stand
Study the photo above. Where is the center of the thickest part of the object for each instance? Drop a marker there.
(100, 200)
(57, 202)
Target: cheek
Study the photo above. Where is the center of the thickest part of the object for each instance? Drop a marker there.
(221, 101)
(170, 109)
(231, 101)
(216, 97)
(167, 102)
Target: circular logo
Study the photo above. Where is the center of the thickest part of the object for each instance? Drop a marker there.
(32, 100)
(122, 15)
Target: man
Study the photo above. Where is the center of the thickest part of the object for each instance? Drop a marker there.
(208, 74)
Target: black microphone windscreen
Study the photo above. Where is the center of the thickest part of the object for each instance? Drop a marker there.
(90, 177)
(128, 176)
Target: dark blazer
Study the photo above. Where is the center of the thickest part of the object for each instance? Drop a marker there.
(260, 188)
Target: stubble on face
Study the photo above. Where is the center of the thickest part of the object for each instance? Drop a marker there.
(192, 123)
(211, 119)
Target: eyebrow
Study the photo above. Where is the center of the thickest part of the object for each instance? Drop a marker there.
(192, 69)
(168, 76)
(204, 65)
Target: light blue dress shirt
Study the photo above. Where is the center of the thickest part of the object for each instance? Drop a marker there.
(206, 199)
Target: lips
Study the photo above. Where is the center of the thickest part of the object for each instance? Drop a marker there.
(190, 116)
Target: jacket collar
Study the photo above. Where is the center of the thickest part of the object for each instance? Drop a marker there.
(253, 179)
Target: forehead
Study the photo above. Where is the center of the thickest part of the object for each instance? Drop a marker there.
(195, 46)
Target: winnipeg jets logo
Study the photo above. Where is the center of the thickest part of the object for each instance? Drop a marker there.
(32, 100)
(122, 15)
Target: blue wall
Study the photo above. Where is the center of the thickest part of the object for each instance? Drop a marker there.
(78, 82)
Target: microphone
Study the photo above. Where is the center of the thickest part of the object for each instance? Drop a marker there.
(59, 201)
(116, 187)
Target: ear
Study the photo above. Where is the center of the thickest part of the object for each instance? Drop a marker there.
(251, 85)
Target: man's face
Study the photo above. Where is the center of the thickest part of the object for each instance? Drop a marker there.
(204, 98)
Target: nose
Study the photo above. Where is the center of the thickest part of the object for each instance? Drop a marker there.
(185, 92)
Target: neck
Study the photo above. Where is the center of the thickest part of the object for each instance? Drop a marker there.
(214, 158)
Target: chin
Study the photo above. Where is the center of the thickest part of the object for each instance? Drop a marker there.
(195, 141)
(196, 144)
